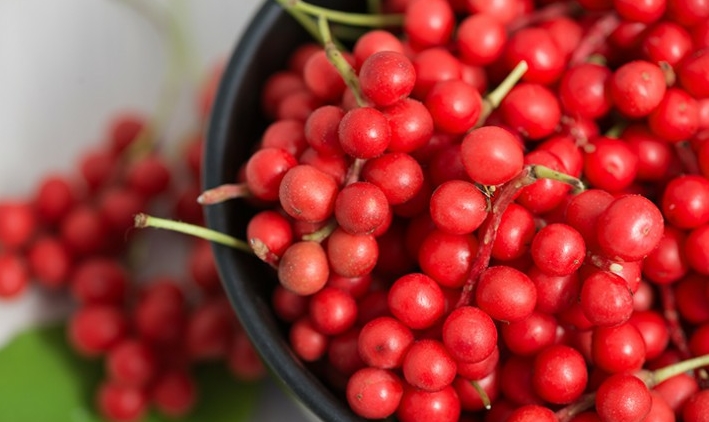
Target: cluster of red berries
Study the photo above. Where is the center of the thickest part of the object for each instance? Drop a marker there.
(75, 235)
(436, 250)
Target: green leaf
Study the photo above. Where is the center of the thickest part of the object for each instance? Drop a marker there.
(43, 380)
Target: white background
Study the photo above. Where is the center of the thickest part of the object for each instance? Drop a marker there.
(65, 68)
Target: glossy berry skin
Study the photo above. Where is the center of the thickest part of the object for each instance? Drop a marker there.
(364, 132)
(386, 77)
(410, 123)
(506, 294)
(361, 207)
(532, 413)
(620, 348)
(529, 336)
(455, 106)
(373, 41)
(332, 311)
(693, 74)
(560, 374)
(623, 398)
(676, 118)
(458, 207)
(383, 342)
(322, 78)
(606, 299)
(265, 170)
(531, 109)
(397, 174)
(439, 406)
(491, 155)
(307, 194)
(14, 275)
(447, 257)
(645, 12)
(697, 407)
(685, 201)
(351, 255)
(538, 49)
(666, 41)
(374, 393)
(610, 164)
(630, 228)
(667, 263)
(428, 23)
(469, 334)
(583, 90)
(428, 365)
(303, 268)
(480, 39)
(637, 88)
(416, 300)
(558, 249)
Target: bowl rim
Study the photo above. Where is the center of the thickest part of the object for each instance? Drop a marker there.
(275, 352)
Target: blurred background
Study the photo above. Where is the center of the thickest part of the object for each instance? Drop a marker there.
(66, 67)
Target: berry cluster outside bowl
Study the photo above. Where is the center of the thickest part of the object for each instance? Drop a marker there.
(235, 127)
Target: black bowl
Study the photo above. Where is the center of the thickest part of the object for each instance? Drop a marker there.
(235, 127)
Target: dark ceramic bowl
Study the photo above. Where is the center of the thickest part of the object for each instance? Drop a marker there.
(235, 127)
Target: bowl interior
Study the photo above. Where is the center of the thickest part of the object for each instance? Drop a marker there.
(235, 128)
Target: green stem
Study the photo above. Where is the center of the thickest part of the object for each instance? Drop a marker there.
(663, 374)
(543, 172)
(483, 395)
(322, 233)
(145, 220)
(493, 99)
(348, 18)
(334, 55)
(223, 193)
(307, 23)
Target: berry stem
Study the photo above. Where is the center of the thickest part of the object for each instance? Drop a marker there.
(669, 310)
(493, 99)
(348, 18)
(338, 60)
(354, 171)
(144, 220)
(581, 405)
(547, 13)
(595, 37)
(650, 378)
(504, 196)
(662, 374)
(483, 395)
(223, 193)
(264, 253)
(307, 23)
(322, 233)
(543, 172)
(668, 72)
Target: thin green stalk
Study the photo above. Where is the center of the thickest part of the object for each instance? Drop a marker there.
(348, 18)
(493, 99)
(145, 220)
(334, 55)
